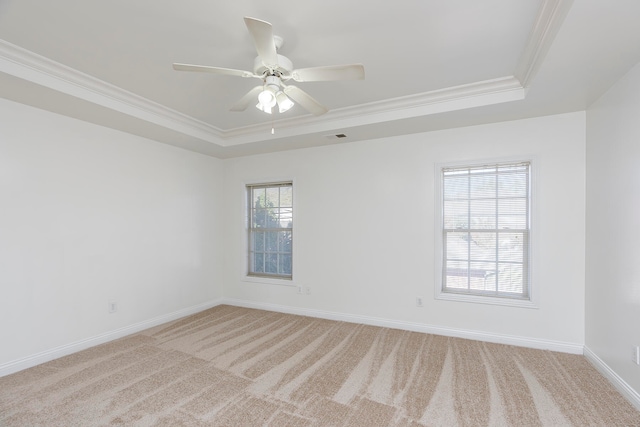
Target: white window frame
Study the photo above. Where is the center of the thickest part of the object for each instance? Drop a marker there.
(249, 276)
(440, 293)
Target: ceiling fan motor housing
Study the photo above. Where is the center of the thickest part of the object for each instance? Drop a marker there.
(272, 84)
(282, 69)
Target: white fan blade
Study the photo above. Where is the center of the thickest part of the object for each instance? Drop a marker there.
(329, 73)
(251, 96)
(214, 70)
(305, 100)
(262, 34)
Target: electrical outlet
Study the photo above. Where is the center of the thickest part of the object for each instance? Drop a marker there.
(113, 306)
(307, 290)
(636, 355)
(300, 290)
(418, 301)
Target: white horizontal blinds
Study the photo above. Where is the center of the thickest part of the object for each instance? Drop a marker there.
(270, 229)
(486, 227)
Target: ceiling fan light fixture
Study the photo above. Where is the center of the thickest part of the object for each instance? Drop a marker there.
(267, 98)
(284, 103)
(262, 107)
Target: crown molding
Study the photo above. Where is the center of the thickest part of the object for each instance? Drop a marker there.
(469, 95)
(548, 22)
(30, 66)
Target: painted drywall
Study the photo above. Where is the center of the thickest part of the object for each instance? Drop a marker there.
(89, 214)
(613, 227)
(364, 227)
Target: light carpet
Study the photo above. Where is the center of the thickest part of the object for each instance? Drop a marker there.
(231, 366)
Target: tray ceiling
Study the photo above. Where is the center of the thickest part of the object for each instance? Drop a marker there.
(428, 65)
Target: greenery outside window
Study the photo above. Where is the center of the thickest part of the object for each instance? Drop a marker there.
(270, 230)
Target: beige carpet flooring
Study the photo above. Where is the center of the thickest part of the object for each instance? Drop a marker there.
(231, 366)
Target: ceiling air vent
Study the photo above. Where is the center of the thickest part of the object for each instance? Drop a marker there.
(336, 136)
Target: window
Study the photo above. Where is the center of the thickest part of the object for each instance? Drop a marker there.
(270, 230)
(485, 223)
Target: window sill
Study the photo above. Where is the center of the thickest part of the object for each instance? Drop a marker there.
(268, 280)
(478, 299)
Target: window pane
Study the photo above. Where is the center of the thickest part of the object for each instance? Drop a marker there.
(456, 214)
(512, 184)
(491, 278)
(483, 213)
(260, 218)
(512, 213)
(273, 196)
(483, 186)
(271, 263)
(272, 218)
(457, 274)
(457, 246)
(286, 217)
(286, 196)
(479, 272)
(456, 187)
(510, 278)
(271, 241)
(258, 264)
(285, 240)
(285, 263)
(511, 247)
(259, 197)
(257, 241)
(483, 247)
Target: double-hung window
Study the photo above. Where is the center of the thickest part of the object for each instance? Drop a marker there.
(485, 225)
(270, 224)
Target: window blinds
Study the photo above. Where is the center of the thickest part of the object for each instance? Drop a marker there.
(486, 229)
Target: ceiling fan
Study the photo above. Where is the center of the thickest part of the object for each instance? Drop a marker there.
(274, 70)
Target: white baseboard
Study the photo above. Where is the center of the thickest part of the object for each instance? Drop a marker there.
(54, 353)
(563, 347)
(625, 389)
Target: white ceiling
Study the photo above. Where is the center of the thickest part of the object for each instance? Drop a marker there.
(429, 64)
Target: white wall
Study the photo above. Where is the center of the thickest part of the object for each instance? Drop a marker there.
(613, 227)
(364, 227)
(88, 214)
